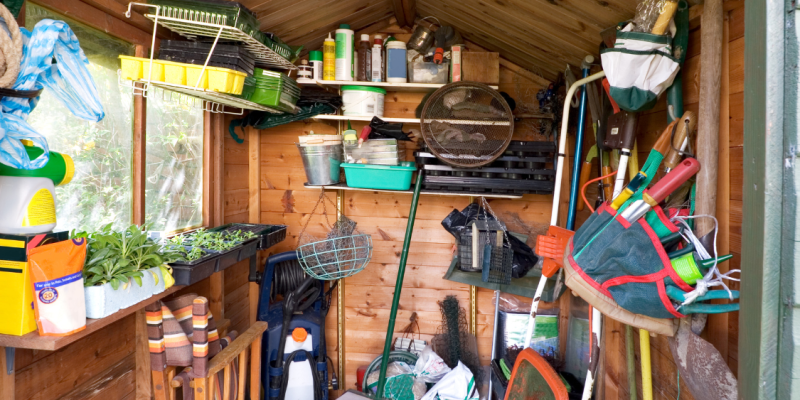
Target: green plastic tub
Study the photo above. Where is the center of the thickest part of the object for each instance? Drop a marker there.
(383, 177)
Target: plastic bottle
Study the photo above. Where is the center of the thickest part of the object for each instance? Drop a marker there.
(27, 205)
(376, 75)
(364, 60)
(396, 69)
(345, 41)
(315, 59)
(329, 59)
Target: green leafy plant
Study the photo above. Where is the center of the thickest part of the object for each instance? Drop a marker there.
(195, 253)
(117, 257)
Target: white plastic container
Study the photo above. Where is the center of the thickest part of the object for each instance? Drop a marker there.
(27, 205)
(301, 380)
(396, 71)
(377, 59)
(363, 101)
(344, 53)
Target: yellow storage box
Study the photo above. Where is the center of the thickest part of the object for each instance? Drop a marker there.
(16, 287)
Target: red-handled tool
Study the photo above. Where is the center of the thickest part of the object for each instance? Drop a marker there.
(651, 197)
(364, 135)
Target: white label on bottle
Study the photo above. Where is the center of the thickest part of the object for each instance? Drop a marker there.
(376, 64)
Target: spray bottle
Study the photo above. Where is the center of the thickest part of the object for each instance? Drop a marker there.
(27, 201)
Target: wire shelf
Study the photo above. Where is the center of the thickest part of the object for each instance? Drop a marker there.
(264, 56)
(215, 102)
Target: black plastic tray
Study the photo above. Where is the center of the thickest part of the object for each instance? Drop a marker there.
(269, 235)
(241, 66)
(249, 249)
(204, 48)
(190, 274)
(209, 254)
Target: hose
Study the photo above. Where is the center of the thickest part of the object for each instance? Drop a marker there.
(288, 276)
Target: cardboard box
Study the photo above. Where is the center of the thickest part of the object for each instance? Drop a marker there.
(480, 66)
(16, 287)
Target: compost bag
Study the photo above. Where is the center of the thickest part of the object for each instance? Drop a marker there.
(457, 223)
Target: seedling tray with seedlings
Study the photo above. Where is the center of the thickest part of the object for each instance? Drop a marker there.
(269, 235)
(209, 251)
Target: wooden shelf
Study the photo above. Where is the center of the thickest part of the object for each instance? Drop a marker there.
(408, 120)
(51, 343)
(390, 87)
(332, 117)
(342, 186)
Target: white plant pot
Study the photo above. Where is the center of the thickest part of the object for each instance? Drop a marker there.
(103, 300)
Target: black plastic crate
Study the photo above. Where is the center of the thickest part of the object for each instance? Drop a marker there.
(524, 168)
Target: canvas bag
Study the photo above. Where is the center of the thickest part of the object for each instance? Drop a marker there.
(639, 68)
(627, 262)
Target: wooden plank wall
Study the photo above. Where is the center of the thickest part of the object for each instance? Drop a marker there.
(723, 330)
(285, 200)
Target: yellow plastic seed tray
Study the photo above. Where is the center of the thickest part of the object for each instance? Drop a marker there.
(193, 72)
(136, 68)
(225, 80)
(174, 73)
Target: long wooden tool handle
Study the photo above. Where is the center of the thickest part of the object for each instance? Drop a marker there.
(681, 133)
(667, 12)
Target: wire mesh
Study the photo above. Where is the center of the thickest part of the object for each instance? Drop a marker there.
(467, 124)
(264, 56)
(336, 258)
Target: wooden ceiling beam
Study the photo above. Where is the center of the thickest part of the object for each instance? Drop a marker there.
(488, 36)
(323, 22)
(405, 11)
(313, 40)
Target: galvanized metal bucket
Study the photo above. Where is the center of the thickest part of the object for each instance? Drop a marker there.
(321, 163)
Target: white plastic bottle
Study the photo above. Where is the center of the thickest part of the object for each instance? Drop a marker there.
(377, 59)
(345, 42)
(396, 66)
(301, 380)
(27, 205)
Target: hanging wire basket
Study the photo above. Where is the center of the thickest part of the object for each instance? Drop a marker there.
(343, 253)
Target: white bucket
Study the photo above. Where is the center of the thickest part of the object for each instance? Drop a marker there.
(363, 101)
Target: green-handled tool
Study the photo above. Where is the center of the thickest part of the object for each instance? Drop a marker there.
(401, 270)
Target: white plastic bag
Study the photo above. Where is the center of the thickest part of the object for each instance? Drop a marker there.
(430, 367)
(458, 384)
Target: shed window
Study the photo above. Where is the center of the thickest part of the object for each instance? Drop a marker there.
(174, 189)
(101, 191)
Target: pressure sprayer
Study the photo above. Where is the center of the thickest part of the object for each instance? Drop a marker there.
(27, 200)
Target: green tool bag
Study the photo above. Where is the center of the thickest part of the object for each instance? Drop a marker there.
(627, 262)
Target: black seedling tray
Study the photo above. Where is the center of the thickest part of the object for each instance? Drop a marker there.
(269, 235)
(218, 56)
(525, 167)
(209, 254)
(241, 66)
(190, 274)
(203, 48)
(228, 258)
(249, 249)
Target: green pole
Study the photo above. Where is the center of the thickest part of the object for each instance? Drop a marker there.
(387, 347)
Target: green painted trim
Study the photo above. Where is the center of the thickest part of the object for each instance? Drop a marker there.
(640, 52)
(633, 99)
(762, 195)
(644, 37)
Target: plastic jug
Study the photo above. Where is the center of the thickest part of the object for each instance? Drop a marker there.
(301, 380)
(27, 205)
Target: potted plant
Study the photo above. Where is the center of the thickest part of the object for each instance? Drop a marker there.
(123, 268)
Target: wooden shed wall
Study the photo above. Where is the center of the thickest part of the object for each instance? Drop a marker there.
(102, 366)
